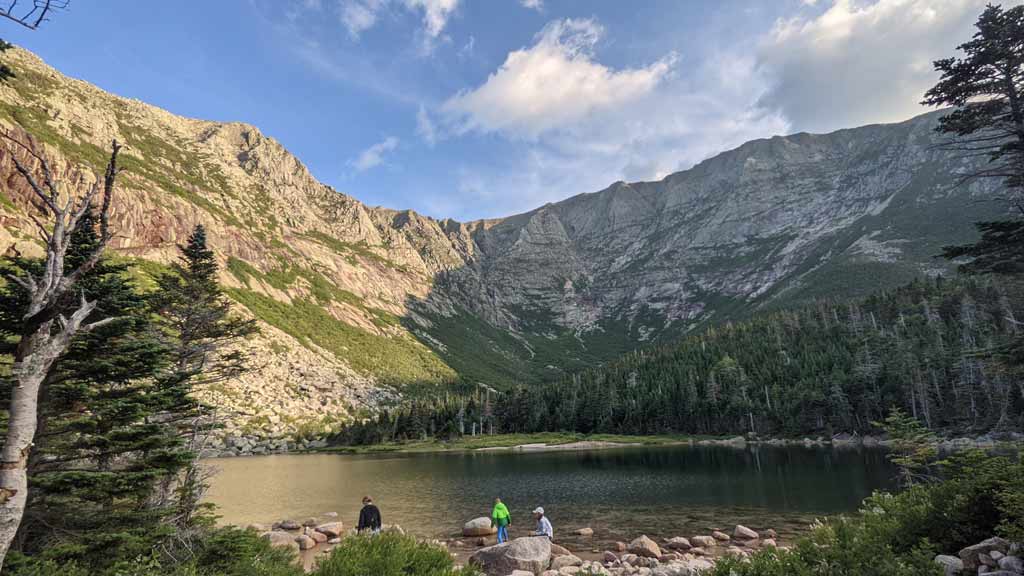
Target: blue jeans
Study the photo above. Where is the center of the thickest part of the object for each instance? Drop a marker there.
(502, 534)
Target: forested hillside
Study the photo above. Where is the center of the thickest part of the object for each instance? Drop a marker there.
(932, 347)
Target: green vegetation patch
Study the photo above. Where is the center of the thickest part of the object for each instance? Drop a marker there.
(354, 250)
(395, 360)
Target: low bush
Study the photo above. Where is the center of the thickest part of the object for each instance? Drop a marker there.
(389, 555)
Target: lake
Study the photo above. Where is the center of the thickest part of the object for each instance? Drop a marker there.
(660, 491)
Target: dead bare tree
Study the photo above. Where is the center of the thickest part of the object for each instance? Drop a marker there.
(33, 13)
(46, 331)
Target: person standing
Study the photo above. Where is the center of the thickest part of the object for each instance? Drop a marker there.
(501, 518)
(543, 524)
(369, 517)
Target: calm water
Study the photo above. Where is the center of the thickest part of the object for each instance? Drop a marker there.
(662, 491)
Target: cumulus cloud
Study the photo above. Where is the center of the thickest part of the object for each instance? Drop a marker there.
(374, 155)
(537, 5)
(860, 62)
(576, 124)
(553, 84)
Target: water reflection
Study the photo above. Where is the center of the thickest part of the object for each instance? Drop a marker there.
(660, 491)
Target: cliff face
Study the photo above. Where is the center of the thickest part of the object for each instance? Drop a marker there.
(353, 299)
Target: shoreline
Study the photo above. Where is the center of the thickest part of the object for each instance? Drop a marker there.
(567, 442)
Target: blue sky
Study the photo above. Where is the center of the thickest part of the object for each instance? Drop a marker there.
(483, 108)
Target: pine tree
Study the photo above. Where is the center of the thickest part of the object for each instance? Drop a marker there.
(204, 336)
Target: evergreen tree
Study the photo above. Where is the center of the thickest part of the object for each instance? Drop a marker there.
(204, 334)
(100, 451)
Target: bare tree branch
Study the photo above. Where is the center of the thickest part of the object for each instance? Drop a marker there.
(32, 14)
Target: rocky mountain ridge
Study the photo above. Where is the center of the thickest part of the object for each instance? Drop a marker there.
(355, 300)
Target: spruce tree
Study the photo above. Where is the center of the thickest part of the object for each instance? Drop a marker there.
(204, 335)
(100, 449)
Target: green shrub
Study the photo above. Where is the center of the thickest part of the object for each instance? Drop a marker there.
(899, 534)
(388, 555)
(236, 552)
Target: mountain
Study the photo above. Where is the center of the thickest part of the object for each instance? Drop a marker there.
(357, 301)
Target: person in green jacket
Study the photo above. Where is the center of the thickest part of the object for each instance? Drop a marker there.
(502, 519)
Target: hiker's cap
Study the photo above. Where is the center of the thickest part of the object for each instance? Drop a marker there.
(539, 510)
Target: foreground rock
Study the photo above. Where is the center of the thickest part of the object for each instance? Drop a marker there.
(678, 543)
(478, 527)
(951, 565)
(971, 555)
(744, 533)
(332, 529)
(281, 539)
(530, 554)
(644, 546)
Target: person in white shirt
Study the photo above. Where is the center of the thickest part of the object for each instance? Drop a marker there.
(543, 524)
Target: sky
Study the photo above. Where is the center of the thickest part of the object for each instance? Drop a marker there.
(473, 109)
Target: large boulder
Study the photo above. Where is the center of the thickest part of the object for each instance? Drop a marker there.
(532, 554)
(743, 533)
(557, 550)
(1012, 564)
(720, 536)
(559, 562)
(281, 539)
(287, 525)
(971, 555)
(644, 546)
(585, 532)
(479, 527)
(951, 565)
(332, 529)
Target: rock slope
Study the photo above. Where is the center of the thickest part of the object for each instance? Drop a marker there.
(355, 300)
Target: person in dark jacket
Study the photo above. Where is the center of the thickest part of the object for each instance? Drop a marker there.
(369, 517)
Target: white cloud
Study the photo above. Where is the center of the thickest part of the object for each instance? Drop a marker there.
(537, 5)
(576, 125)
(425, 126)
(435, 13)
(554, 84)
(859, 62)
(374, 155)
(359, 16)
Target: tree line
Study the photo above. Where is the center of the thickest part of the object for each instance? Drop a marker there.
(933, 347)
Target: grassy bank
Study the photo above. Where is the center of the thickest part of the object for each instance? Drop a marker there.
(508, 441)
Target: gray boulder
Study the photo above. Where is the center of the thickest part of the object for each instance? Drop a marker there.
(951, 565)
(1012, 564)
(479, 527)
(743, 533)
(971, 555)
(529, 554)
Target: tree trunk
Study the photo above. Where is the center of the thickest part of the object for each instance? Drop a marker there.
(33, 359)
